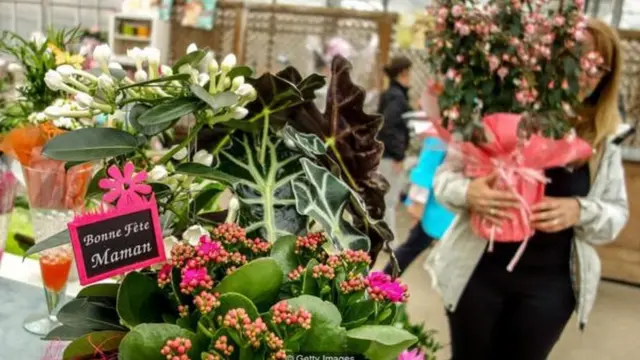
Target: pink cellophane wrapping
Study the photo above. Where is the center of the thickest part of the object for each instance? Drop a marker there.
(520, 168)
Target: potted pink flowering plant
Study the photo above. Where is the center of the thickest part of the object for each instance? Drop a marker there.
(509, 80)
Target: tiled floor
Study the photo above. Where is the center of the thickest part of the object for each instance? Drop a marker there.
(613, 332)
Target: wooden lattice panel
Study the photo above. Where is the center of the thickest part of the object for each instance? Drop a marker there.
(220, 39)
(631, 82)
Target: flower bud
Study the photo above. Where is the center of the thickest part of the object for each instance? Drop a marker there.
(102, 54)
(153, 56)
(53, 111)
(191, 48)
(141, 75)
(115, 65)
(245, 90)
(158, 173)
(106, 83)
(166, 70)
(203, 157)
(63, 123)
(237, 81)
(137, 55)
(83, 99)
(65, 70)
(227, 83)
(228, 63)
(54, 80)
(38, 38)
(203, 79)
(213, 66)
(239, 113)
(181, 154)
(185, 69)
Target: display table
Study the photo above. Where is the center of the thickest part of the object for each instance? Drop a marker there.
(21, 294)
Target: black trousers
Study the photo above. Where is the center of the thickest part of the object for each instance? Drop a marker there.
(416, 243)
(510, 316)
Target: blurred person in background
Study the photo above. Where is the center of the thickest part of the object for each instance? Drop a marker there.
(496, 314)
(394, 102)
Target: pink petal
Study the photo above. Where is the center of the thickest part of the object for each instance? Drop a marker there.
(128, 170)
(107, 184)
(115, 173)
(111, 196)
(140, 177)
(142, 188)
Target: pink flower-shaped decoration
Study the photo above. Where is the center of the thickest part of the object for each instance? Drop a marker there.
(414, 354)
(127, 187)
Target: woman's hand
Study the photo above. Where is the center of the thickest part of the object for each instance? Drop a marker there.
(489, 202)
(555, 214)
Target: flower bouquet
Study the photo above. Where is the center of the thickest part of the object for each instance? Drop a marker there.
(509, 75)
(284, 268)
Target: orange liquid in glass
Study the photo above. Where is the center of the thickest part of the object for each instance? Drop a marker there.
(55, 267)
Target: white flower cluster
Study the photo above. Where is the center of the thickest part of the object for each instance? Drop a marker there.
(62, 122)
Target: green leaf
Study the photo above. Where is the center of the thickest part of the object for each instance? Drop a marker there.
(168, 112)
(82, 313)
(146, 340)
(193, 59)
(324, 197)
(267, 203)
(230, 301)
(140, 300)
(85, 346)
(380, 342)
(160, 190)
(242, 125)
(90, 144)
(240, 71)
(67, 333)
(309, 283)
(134, 114)
(94, 188)
(70, 164)
(258, 280)
(326, 335)
(206, 198)
(160, 80)
(309, 144)
(205, 172)
(56, 240)
(358, 313)
(283, 252)
(217, 101)
(99, 290)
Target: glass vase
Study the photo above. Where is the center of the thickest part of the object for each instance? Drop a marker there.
(55, 194)
(8, 190)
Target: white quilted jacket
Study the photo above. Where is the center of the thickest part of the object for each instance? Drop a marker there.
(604, 212)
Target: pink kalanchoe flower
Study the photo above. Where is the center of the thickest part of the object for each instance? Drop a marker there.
(208, 250)
(494, 63)
(164, 275)
(383, 288)
(194, 279)
(503, 72)
(414, 354)
(457, 10)
(177, 349)
(126, 187)
(378, 278)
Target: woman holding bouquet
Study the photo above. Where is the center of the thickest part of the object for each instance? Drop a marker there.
(496, 314)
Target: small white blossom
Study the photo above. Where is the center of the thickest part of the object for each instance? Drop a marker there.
(169, 242)
(239, 113)
(14, 68)
(193, 234)
(152, 55)
(102, 54)
(228, 63)
(38, 38)
(158, 173)
(40, 117)
(191, 48)
(141, 75)
(54, 80)
(245, 90)
(66, 70)
(185, 69)
(181, 154)
(203, 157)
(203, 79)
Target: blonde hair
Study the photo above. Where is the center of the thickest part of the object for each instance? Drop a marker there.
(600, 112)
